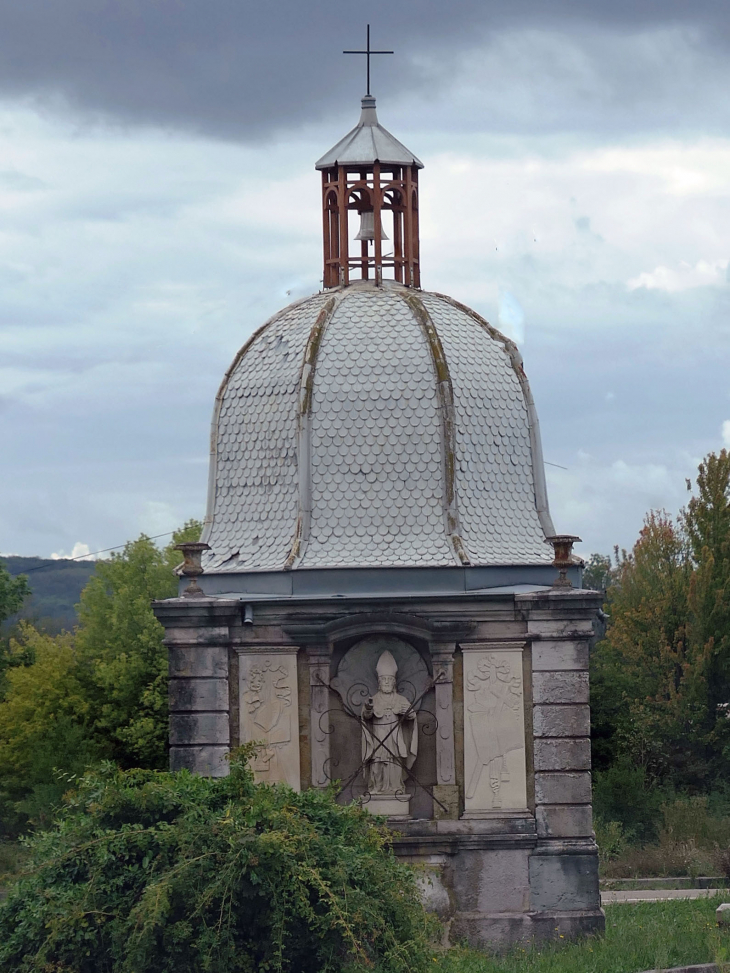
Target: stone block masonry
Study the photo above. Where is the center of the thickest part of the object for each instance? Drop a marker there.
(499, 795)
(198, 639)
(564, 865)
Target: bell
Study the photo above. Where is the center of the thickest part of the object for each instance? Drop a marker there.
(367, 227)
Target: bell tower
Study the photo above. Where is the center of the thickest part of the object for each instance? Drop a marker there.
(371, 174)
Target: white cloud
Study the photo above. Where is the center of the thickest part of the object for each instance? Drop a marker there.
(704, 273)
(79, 552)
(511, 317)
(726, 433)
(558, 225)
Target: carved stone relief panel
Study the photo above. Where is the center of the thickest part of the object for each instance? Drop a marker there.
(268, 707)
(495, 773)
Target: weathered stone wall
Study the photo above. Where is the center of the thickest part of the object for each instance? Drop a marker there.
(499, 874)
(197, 635)
(564, 864)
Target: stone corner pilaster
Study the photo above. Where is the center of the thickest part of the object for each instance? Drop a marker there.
(198, 639)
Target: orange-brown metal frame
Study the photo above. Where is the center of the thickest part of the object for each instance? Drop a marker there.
(361, 189)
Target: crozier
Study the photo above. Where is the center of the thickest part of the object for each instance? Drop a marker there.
(382, 682)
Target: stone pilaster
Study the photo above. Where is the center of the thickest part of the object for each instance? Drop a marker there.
(319, 679)
(445, 791)
(198, 639)
(442, 655)
(564, 866)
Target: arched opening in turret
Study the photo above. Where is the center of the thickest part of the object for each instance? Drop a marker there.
(373, 177)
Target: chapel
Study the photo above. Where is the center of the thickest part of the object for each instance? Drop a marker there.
(379, 597)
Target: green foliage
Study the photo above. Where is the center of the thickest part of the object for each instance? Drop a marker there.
(647, 681)
(660, 679)
(119, 640)
(598, 573)
(44, 724)
(691, 819)
(693, 839)
(13, 592)
(707, 525)
(150, 872)
(650, 936)
(612, 840)
(71, 700)
(622, 794)
(12, 859)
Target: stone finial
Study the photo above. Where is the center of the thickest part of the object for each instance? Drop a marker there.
(563, 547)
(191, 567)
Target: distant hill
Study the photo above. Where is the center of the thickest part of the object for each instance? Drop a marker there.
(56, 586)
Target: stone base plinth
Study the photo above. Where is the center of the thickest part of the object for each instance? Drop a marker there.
(496, 932)
(494, 882)
(397, 807)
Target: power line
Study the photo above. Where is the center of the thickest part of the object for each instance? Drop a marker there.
(154, 537)
(92, 554)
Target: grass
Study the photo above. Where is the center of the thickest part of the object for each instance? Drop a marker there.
(667, 858)
(648, 936)
(693, 840)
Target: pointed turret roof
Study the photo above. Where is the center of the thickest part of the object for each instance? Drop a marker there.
(368, 142)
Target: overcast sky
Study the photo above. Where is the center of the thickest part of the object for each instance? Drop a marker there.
(158, 202)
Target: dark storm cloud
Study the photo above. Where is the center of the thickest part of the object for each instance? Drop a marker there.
(243, 69)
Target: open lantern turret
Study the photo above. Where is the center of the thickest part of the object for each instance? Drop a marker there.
(371, 174)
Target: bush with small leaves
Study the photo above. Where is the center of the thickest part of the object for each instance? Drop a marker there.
(154, 872)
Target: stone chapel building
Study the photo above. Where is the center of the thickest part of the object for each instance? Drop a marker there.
(381, 599)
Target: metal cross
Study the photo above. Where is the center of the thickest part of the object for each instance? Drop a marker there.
(368, 52)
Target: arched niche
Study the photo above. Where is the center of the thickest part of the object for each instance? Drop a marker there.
(353, 680)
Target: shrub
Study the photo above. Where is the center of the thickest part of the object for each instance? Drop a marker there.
(690, 819)
(613, 842)
(665, 859)
(694, 839)
(153, 872)
(622, 794)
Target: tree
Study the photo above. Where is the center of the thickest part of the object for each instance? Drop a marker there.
(707, 524)
(661, 677)
(120, 645)
(44, 724)
(13, 592)
(101, 692)
(648, 692)
(156, 872)
(598, 572)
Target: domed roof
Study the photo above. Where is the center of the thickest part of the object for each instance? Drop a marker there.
(375, 427)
